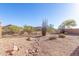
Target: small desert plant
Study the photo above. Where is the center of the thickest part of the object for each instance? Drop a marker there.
(50, 28)
(52, 37)
(62, 36)
(44, 28)
(29, 30)
(28, 39)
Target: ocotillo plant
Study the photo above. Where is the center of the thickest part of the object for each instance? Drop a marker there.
(44, 28)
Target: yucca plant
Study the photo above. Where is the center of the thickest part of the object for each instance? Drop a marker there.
(44, 28)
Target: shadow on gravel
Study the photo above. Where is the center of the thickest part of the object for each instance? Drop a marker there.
(36, 36)
(75, 52)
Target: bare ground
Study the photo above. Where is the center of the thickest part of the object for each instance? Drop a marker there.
(40, 46)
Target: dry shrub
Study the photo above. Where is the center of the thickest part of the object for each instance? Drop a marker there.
(52, 37)
(62, 36)
(65, 33)
(28, 39)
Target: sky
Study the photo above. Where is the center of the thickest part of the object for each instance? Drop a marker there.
(34, 13)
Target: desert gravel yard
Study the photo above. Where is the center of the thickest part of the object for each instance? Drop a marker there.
(44, 47)
(60, 46)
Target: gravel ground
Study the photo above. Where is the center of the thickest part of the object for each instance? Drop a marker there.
(40, 46)
(60, 46)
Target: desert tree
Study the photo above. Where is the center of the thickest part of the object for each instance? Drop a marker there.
(67, 24)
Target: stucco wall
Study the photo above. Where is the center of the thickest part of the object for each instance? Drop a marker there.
(72, 31)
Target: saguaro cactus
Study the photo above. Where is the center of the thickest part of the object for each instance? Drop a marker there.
(0, 30)
(44, 28)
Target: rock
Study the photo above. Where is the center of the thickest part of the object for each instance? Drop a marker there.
(15, 48)
(26, 51)
(9, 52)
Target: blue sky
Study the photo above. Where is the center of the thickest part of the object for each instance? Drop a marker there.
(33, 14)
